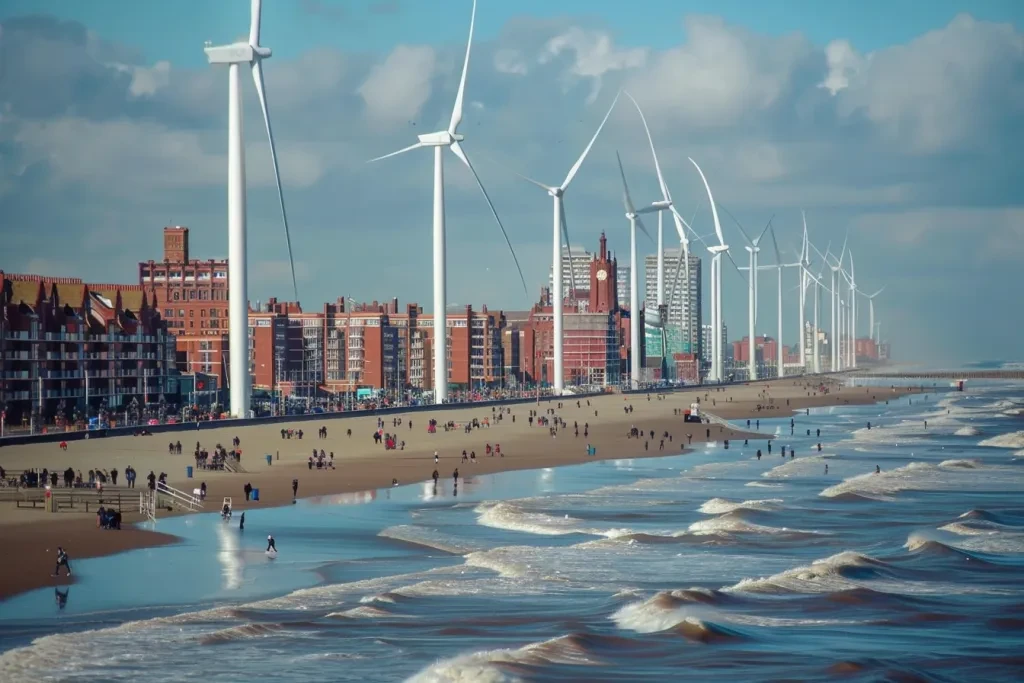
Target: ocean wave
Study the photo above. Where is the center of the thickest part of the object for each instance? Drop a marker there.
(367, 612)
(430, 538)
(512, 517)
(502, 666)
(967, 431)
(1009, 440)
(763, 485)
(717, 506)
(733, 523)
(242, 632)
(829, 575)
(962, 549)
(798, 467)
(665, 612)
(915, 476)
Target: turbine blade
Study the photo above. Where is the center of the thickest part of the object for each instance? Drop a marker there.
(401, 151)
(738, 225)
(775, 244)
(458, 151)
(734, 265)
(758, 240)
(579, 162)
(675, 278)
(457, 110)
(517, 173)
(657, 167)
(568, 245)
(877, 293)
(640, 224)
(257, 77)
(255, 11)
(843, 252)
(711, 200)
(625, 188)
(680, 223)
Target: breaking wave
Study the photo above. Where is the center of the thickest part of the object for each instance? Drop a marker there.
(1009, 440)
(839, 572)
(512, 517)
(967, 431)
(718, 506)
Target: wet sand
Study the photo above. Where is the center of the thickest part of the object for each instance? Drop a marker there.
(361, 465)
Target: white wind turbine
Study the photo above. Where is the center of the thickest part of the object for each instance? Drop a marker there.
(836, 303)
(753, 249)
(803, 263)
(449, 138)
(634, 293)
(871, 312)
(851, 351)
(560, 228)
(252, 54)
(660, 207)
(779, 266)
(817, 306)
(715, 374)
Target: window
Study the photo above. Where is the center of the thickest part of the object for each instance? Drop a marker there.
(191, 312)
(181, 312)
(168, 312)
(191, 294)
(202, 312)
(176, 296)
(191, 324)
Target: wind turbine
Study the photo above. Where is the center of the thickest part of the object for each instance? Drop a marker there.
(634, 294)
(817, 306)
(253, 54)
(836, 302)
(561, 227)
(715, 374)
(804, 262)
(852, 331)
(871, 312)
(779, 349)
(449, 138)
(660, 207)
(753, 250)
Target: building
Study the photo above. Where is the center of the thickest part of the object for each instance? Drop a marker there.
(866, 349)
(682, 300)
(596, 335)
(622, 285)
(70, 348)
(575, 260)
(194, 303)
(705, 342)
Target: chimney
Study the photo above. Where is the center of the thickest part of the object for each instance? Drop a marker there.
(604, 247)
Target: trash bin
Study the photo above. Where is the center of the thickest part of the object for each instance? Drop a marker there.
(188, 471)
(49, 503)
(255, 494)
(270, 458)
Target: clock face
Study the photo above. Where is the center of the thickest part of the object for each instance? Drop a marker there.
(602, 275)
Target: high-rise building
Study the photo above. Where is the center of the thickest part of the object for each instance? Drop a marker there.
(622, 285)
(705, 342)
(577, 261)
(683, 301)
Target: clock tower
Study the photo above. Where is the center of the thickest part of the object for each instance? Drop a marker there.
(603, 279)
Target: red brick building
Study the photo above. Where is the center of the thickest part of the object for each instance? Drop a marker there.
(596, 332)
(867, 349)
(67, 345)
(194, 303)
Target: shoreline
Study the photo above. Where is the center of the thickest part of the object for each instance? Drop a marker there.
(364, 466)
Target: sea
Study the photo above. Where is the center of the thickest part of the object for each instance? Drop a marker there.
(711, 565)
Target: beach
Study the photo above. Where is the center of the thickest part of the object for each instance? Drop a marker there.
(360, 464)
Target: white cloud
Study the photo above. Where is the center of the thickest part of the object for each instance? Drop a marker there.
(943, 89)
(508, 61)
(397, 89)
(145, 80)
(721, 74)
(843, 62)
(594, 56)
(124, 156)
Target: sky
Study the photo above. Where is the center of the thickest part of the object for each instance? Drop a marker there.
(897, 123)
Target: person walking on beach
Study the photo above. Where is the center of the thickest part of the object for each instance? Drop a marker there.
(435, 475)
(271, 545)
(455, 476)
(435, 457)
(241, 522)
(295, 488)
(62, 561)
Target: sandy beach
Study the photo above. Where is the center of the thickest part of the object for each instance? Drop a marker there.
(361, 464)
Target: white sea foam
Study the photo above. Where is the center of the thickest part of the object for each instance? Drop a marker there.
(967, 431)
(726, 525)
(431, 538)
(513, 517)
(1009, 440)
(485, 666)
(718, 506)
(798, 467)
(821, 576)
(763, 485)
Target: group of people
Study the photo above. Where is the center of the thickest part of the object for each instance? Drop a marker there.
(69, 478)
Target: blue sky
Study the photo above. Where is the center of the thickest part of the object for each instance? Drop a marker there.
(898, 122)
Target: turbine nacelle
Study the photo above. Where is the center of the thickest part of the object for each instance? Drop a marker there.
(718, 249)
(236, 53)
(439, 139)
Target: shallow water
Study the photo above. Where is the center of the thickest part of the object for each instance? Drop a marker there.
(734, 568)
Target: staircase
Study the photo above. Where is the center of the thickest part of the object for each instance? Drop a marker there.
(179, 499)
(147, 505)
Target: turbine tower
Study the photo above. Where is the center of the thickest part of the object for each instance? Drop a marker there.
(716, 284)
(634, 294)
(753, 250)
(451, 139)
(780, 359)
(560, 229)
(853, 315)
(804, 262)
(252, 54)
(660, 207)
(871, 312)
